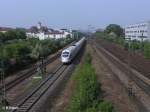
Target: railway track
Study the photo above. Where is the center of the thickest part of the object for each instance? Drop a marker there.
(29, 73)
(39, 91)
(30, 102)
(137, 61)
(142, 81)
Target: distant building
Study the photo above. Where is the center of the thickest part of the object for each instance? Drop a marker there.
(42, 32)
(100, 30)
(138, 31)
(4, 29)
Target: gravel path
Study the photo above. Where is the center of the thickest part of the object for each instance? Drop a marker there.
(137, 61)
(113, 90)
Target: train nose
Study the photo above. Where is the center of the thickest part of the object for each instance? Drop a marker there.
(65, 60)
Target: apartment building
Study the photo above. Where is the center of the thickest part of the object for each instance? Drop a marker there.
(139, 31)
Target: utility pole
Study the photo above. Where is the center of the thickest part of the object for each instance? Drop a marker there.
(129, 53)
(142, 41)
(130, 83)
(43, 67)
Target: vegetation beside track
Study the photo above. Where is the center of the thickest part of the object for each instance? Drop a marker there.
(86, 96)
(17, 50)
(135, 46)
(34, 81)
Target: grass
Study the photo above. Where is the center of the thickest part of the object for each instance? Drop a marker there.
(34, 81)
(86, 95)
(135, 46)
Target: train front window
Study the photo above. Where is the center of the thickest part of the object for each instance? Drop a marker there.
(65, 55)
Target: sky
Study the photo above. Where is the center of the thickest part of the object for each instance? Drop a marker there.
(76, 14)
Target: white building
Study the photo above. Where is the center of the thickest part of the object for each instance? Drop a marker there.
(43, 35)
(42, 32)
(138, 31)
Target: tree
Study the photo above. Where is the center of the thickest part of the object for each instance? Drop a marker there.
(21, 33)
(115, 29)
(13, 34)
(10, 35)
(36, 51)
(16, 52)
(2, 37)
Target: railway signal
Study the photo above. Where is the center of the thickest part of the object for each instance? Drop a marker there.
(43, 67)
(130, 89)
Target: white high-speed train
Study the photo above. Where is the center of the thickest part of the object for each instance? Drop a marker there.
(69, 53)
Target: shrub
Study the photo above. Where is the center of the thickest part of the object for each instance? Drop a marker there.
(92, 109)
(86, 95)
(87, 89)
(105, 107)
(88, 58)
(126, 46)
(147, 50)
(135, 45)
(19, 53)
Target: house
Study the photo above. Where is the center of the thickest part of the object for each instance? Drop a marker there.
(42, 32)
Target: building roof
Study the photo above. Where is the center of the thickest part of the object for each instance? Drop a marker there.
(45, 30)
(54, 32)
(5, 29)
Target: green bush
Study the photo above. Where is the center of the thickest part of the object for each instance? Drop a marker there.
(86, 95)
(100, 35)
(117, 29)
(88, 58)
(19, 53)
(87, 89)
(147, 50)
(1, 108)
(92, 109)
(135, 45)
(12, 35)
(119, 40)
(105, 107)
